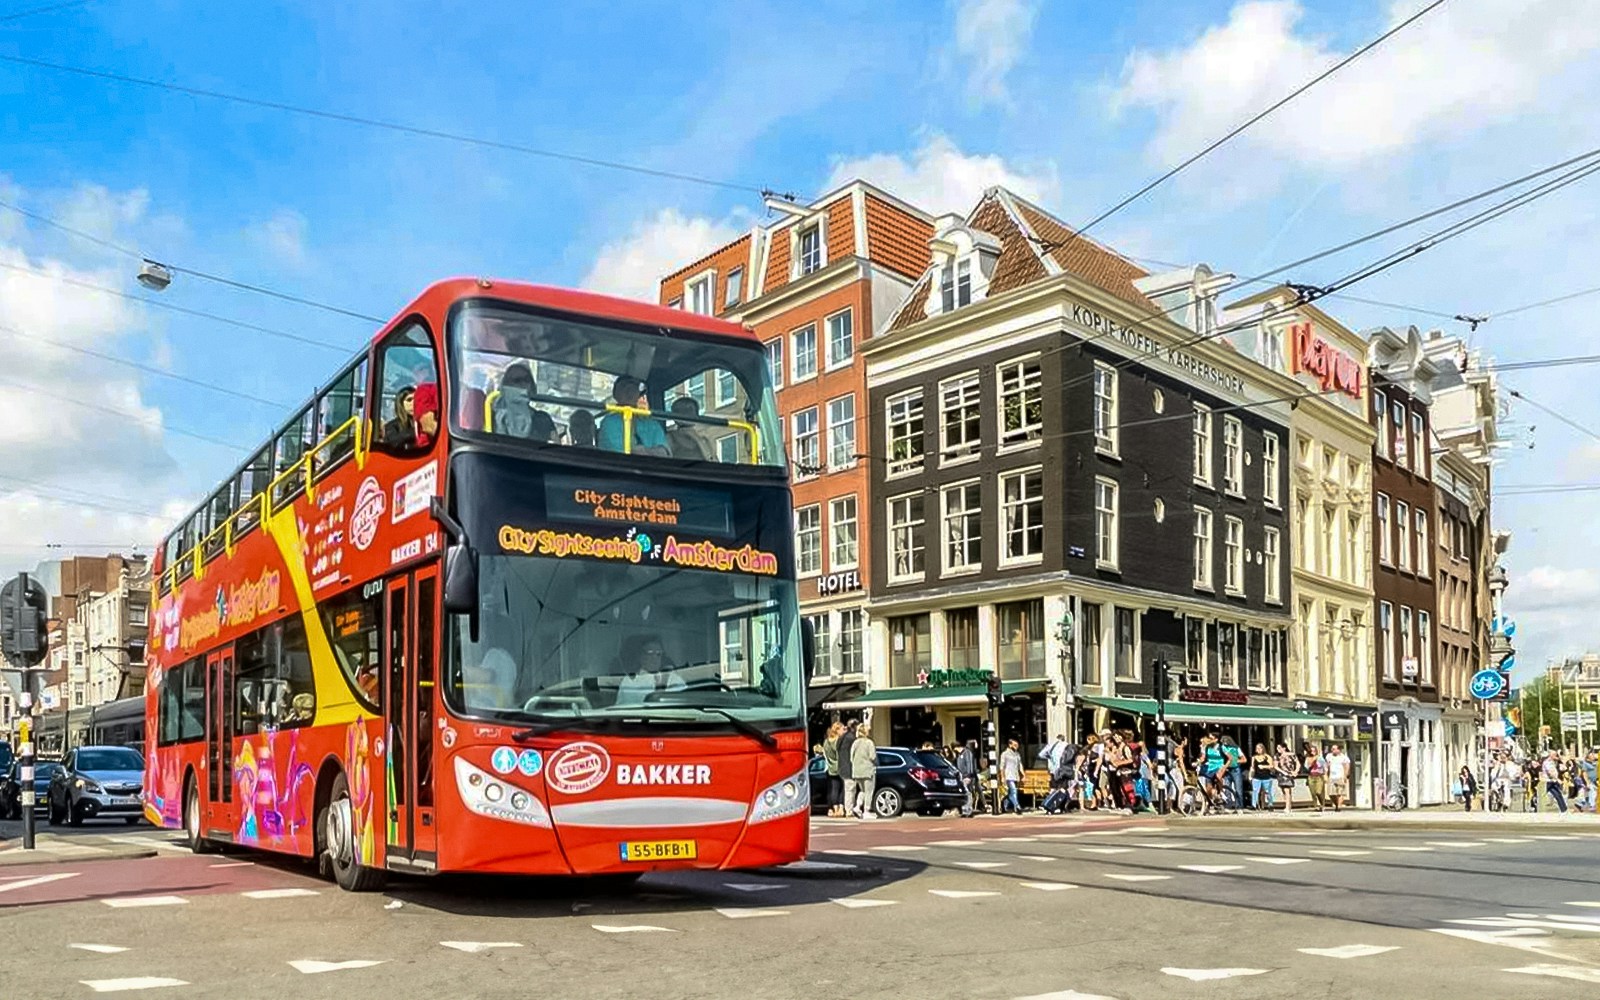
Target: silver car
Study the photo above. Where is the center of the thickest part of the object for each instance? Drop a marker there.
(97, 782)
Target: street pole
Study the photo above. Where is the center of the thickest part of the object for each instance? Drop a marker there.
(992, 738)
(1160, 672)
(26, 764)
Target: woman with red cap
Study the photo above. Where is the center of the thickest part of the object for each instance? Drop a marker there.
(426, 407)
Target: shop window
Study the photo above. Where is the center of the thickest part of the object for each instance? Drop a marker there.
(1021, 628)
(824, 644)
(910, 649)
(1089, 628)
(851, 629)
(961, 626)
(1127, 645)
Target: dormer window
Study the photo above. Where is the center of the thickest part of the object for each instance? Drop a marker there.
(700, 293)
(955, 288)
(809, 250)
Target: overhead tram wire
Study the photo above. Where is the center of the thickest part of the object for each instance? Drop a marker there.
(113, 411)
(391, 126)
(1173, 172)
(101, 241)
(1554, 413)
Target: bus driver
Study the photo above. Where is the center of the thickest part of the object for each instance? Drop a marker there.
(644, 657)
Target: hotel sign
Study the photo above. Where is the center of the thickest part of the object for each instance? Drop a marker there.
(1147, 345)
(1334, 369)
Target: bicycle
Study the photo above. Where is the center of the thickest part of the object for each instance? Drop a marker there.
(1394, 796)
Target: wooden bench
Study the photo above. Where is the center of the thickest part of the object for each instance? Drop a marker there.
(1035, 784)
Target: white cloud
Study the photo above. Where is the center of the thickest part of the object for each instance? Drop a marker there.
(1554, 589)
(991, 37)
(101, 212)
(938, 177)
(283, 236)
(634, 265)
(1460, 68)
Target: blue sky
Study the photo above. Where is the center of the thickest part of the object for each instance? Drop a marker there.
(1072, 102)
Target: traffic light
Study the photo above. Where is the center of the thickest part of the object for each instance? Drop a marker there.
(23, 634)
(993, 692)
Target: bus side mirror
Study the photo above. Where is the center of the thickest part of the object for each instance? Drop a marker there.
(461, 580)
(808, 646)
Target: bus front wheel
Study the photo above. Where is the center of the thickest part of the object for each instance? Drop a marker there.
(191, 820)
(339, 842)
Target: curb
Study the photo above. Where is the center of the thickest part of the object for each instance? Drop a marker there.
(50, 858)
(1419, 826)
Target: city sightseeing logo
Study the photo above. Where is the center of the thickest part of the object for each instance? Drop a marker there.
(366, 513)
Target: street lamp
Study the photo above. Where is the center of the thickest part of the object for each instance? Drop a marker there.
(154, 275)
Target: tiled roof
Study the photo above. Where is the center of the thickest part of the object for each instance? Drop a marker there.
(897, 239)
(1085, 258)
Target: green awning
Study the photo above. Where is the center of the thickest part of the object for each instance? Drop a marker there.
(1199, 711)
(906, 697)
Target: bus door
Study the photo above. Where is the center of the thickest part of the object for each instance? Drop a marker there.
(410, 654)
(221, 812)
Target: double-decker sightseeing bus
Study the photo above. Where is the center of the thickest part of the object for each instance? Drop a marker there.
(514, 592)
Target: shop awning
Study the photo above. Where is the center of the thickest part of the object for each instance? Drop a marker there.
(932, 697)
(819, 695)
(1237, 715)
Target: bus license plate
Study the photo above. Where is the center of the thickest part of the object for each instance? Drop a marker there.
(659, 850)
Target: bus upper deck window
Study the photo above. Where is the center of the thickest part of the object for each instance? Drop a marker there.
(408, 392)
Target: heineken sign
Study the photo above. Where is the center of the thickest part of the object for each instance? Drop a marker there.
(965, 677)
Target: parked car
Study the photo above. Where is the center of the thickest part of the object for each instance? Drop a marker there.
(919, 780)
(11, 788)
(97, 782)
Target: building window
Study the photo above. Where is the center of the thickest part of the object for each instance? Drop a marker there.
(1269, 469)
(905, 537)
(841, 338)
(728, 449)
(1257, 672)
(774, 349)
(1021, 401)
(960, 424)
(961, 632)
(808, 540)
(1202, 444)
(1402, 517)
(1272, 558)
(1408, 648)
(1202, 548)
(804, 352)
(904, 420)
(1232, 455)
(824, 645)
(842, 534)
(1420, 518)
(1105, 408)
(1380, 415)
(727, 386)
(735, 289)
(807, 443)
(1356, 563)
(955, 285)
(1089, 628)
(910, 649)
(1127, 645)
(1194, 651)
(810, 249)
(1273, 654)
(842, 432)
(700, 294)
(1227, 656)
(851, 627)
(1107, 523)
(962, 527)
(1385, 539)
(1233, 553)
(1425, 645)
(1386, 657)
(1419, 445)
(1021, 627)
(1022, 514)
(1398, 415)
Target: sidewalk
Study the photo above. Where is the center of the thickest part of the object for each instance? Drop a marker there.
(1407, 820)
(54, 848)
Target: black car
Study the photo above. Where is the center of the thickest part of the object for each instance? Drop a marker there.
(919, 780)
(11, 788)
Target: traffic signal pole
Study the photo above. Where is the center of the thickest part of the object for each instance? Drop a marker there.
(25, 764)
(1163, 806)
(22, 639)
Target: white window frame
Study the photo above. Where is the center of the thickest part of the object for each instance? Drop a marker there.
(970, 387)
(1228, 662)
(703, 284)
(950, 518)
(1107, 523)
(841, 453)
(1010, 509)
(955, 284)
(802, 468)
(1402, 520)
(1233, 456)
(1272, 561)
(798, 372)
(838, 521)
(1233, 553)
(1385, 538)
(1204, 578)
(1386, 647)
(1419, 445)
(728, 448)
(800, 263)
(774, 352)
(913, 533)
(910, 427)
(733, 293)
(1107, 421)
(836, 361)
(1408, 641)
(1271, 455)
(1380, 413)
(802, 533)
(1402, 453)
(1026, 434)
(852, 622)
(1419, 521)
(1424, 646)
(1204, 474)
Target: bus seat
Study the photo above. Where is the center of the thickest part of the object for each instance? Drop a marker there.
(474, 403)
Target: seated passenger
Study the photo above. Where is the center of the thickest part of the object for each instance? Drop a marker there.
(643, 657)
(401, 432)
(688, 439)
(649, 436)
(426, 405)
(580, 429)
(513, 412)
(491, 682)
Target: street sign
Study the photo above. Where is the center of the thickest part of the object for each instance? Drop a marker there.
(1579, 720)
(1487, 684)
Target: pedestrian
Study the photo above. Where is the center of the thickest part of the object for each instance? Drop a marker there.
(864, 769)
(1011, 774)
(1338, 776)
(1586, 769)
(1466, 787)
(1552, 779)
(1263, 776)
(1287, 768)
(1502, 776)
(847, 807)
(967, 768)
(1119, 761)
(830, 756)
(1316, 767)
(1235, 767)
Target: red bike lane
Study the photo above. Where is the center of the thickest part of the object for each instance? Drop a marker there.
(133, 878)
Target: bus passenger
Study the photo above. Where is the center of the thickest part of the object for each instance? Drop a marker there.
(426, 405)
(513, 410)
(402, 430)
(688, 438)
(580, 429)
(490, 681)
(649, 436)
(644, 658)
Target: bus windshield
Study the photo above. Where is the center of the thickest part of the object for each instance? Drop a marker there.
(567, 640)
(560, 381)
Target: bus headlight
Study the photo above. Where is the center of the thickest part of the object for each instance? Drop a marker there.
(491, 796)
(783, 798)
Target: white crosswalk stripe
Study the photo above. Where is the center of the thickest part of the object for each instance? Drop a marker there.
(131, 983)
(1348, 951)
(1203, 975)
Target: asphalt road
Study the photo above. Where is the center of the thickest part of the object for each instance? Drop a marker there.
(984, 908)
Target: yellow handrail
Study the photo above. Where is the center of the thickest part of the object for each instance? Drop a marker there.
(627, 422)
(488, 411)
(755, 438)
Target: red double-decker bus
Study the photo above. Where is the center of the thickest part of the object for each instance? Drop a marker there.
(514, 592)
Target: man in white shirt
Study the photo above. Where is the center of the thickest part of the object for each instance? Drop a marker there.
(643, 678)
(1338, 776)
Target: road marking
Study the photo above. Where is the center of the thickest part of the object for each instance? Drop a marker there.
(99, 949)
(233, 864)
(1533, 922)
(632, 929)
(393, 904)
(1348, 951)
(1280, 861)
(1104, 833)
(743, 913)
(962, 893)
(982, 864)
(132, 983)
(1170, 845)
(1137, 878)
(1556, 836)
(25, 882)
(1301, 833)
(1584, 904)
(1201, 975)
(1510, 840)
(1067, 995)
(1578, 972)
(1059, 836)
(1456, 843)
(1211, 869)
(864, 904)
(278, 893)
(753, 886)
(1106, 850)
(1037, 857)
(852, 854)
(898, 847)
(311, 966)
(1334, 852)
(1011, 840)
(1048, 886)
(1399, 847)
(132, 901)
(473, 947)
(1144, 829)
(954, 843)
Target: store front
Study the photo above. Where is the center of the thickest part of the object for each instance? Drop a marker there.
(950, 708)
(1410, 751)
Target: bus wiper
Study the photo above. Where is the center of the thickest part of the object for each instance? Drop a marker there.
(744, 726)
(545, 728)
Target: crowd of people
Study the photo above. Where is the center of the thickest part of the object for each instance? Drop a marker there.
(1559, 776)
